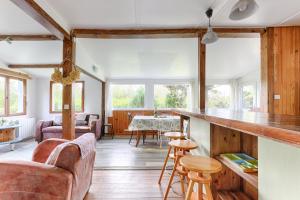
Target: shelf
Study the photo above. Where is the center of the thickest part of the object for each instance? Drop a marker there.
(232, 195)
(251, 178)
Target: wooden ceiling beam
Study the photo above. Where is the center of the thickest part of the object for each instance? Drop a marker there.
(37, 13)
(33, 66)
(162, 33)
(28, 37)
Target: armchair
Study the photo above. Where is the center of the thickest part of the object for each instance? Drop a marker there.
(57, 171)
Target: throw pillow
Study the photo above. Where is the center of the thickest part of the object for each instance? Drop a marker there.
(92, 118)
(57, 120)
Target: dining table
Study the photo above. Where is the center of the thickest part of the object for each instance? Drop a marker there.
(141, 124)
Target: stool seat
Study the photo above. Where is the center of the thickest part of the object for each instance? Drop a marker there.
(174, 135)
(183, 144)
(181, 170)
(201, 164)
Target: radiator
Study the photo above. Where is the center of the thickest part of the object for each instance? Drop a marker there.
(27, 128)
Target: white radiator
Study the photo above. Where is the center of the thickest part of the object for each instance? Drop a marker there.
(27, 129)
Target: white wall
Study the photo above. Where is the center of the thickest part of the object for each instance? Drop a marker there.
(278, 174)
(92, 97)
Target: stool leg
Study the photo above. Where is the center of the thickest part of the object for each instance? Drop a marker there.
(189, 190)
(200, 191)
(165, 164)
(171, 178)
(138, 137)
(208, 192)
(182, 183)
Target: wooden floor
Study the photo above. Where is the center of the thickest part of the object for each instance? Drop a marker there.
(118, 154)
(130, 184)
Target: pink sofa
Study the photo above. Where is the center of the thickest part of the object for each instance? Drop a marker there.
(59, 170)
(48, 129)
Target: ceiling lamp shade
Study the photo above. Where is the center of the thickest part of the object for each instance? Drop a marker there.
(243, 9)
(210, 36)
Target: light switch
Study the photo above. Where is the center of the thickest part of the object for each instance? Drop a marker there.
(66, 107)
(276, 96)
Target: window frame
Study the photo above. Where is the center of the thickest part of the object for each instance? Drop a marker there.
(51, 95)
(7, 94)
(255, 100)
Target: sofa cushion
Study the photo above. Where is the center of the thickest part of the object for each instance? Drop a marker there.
(58, 129)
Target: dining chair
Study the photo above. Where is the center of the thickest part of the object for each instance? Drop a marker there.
(130, 117)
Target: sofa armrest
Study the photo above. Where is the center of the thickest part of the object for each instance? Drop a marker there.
(44, 149)
(31, 180)
(39, 127)
(96, 128)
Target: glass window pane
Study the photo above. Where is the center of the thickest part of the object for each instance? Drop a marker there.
(248, 97)
(218, 96)
(2, 95)
(16, 96)
(172, 95)
(78, 95)
(128, 96)
(56, 97)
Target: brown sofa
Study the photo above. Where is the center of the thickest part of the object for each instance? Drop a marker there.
(59, 170)
(48, 129)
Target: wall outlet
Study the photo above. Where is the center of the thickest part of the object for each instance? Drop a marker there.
(66, 107)
(276, 96)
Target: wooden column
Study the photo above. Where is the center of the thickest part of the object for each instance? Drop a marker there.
(103, 106)
(201, 71)
(68, 107)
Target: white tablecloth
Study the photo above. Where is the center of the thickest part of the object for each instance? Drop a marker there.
(147, 123)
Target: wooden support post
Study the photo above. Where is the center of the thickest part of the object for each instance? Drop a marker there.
(201, 71)
(68, 107)
(103, 107)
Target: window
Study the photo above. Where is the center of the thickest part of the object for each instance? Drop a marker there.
(12, 96)
(128, 96)
(172, 96)
(248, 97)
(218, 96)
(16, 96)
(56, 96)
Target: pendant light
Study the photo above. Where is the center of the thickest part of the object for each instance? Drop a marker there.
(210, 36)
(243, 9)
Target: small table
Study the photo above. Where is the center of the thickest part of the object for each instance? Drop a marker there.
(9, 135)
(150, 123)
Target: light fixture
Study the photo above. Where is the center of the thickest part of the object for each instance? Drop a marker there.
(243, 9)
(210, 36)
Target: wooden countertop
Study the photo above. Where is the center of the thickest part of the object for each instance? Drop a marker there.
(282, 128)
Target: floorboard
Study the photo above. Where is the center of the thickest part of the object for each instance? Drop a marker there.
(130, 184)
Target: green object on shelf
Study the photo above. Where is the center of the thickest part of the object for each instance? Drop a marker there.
(245, 162)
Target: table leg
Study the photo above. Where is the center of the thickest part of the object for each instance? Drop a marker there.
(138, 137)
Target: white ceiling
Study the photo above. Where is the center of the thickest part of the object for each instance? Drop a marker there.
(31, 52)
(144, 58)
(232, 58)
(169, 13)
(14, 21)
(173, 58)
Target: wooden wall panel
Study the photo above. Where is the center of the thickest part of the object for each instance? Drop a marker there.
(120, 119)
(284, 69)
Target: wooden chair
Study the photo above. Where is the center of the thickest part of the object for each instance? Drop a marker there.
(130, 117)
(110, 130)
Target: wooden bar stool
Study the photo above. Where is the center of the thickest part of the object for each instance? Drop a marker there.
(200, 168)
(109, 131)
(181, 147)
(171, 136)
